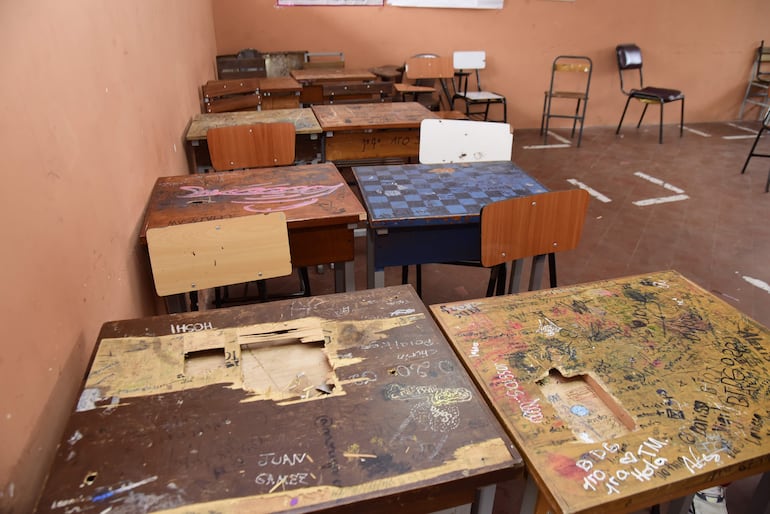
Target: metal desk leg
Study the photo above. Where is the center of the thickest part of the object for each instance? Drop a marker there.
(760, 503)
(374, 278)
(485, 500)
(349, 278)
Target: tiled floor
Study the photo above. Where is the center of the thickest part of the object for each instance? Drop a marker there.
(719, 236)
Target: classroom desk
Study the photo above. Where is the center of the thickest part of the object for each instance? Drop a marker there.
(279, 93)
(371, 130)
(321, 210)
(624, 393)
(312, 80)
(349, 402)
(426, 213)
(305, 123)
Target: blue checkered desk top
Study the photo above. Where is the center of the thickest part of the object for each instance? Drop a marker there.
(427, 194)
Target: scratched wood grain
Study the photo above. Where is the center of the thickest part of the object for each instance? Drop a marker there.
(371, 116)
(686, 373)
(403, 427)
(304, 121)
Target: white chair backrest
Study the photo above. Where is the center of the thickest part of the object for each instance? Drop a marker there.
(206, 254)
(470, 60)
(458, 141)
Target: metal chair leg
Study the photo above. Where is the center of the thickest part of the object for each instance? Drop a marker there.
(623, 115)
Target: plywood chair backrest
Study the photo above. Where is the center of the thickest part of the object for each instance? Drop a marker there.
(207, 254)
(532, 225)
(251, 146)
(429, 68)
(456, 141)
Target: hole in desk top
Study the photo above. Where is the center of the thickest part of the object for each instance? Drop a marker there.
(591, 413)
(287, 369)
(199, 363)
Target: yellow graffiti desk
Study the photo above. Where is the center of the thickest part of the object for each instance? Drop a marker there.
(621, 394)
(350, 402)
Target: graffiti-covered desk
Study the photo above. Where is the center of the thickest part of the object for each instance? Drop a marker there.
(371, 131)
(350, 402)
(321, 209)
(624, 393)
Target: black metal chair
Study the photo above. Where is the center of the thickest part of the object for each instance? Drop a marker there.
(753, 153)
(630, 58)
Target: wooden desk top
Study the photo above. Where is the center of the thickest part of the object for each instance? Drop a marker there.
(304, 121)
(371, 115)
(319, 75)
(310, 195)
(279, 85)
(302, 405)
(670, 390)
(428, 194)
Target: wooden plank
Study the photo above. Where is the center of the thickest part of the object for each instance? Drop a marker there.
(344, 146)
(311, 196)
(315, 76)
(232, 103)
(371, 116)
(251, 146)
(304, 121)
(429, 68)
(215, 88)
(202, 255)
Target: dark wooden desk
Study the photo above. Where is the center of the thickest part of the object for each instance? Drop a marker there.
(338, 403)
(305, 123)
(624, 393)
(425, 213)
(312, 80)
(321, 210)
(371, 131)
(279, 93)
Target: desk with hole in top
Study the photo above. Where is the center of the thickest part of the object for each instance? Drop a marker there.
(321, 210)
(347, 403)
(308, 131)
(430, 213)
(622, 394)
(371, 131)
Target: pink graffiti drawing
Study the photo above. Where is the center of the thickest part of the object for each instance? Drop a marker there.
(266, 197)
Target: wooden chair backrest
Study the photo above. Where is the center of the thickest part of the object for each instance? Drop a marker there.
(454, 141)
(259, 145)
(357, 92)
(532, 225)
(231, 95)
(206, 254)
(429, 68)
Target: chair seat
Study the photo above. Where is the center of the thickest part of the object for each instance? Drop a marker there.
(658, 93)
(481, 95)
(763, 79)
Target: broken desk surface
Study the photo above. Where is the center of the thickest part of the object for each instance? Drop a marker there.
(348, 403)
(624, 393)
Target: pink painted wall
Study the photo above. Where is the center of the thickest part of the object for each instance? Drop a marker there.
(703, 47)
(96, 96)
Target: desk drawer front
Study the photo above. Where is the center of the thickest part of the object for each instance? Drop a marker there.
(378, 144)
(321, 245)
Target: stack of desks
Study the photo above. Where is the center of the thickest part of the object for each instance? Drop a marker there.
(346, 403)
